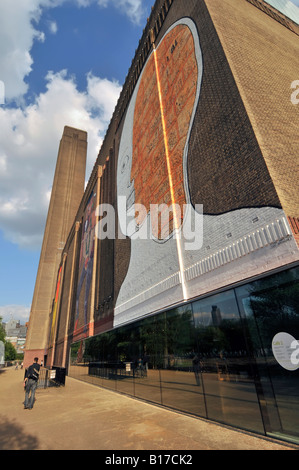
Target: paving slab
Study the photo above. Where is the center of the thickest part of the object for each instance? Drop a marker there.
(82, 416)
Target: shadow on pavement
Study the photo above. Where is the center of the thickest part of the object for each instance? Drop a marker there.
(13, 437)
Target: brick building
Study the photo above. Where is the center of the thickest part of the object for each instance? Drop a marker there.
(200, 317)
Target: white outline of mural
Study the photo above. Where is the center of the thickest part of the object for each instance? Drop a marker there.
(240, 238)
(156, 259)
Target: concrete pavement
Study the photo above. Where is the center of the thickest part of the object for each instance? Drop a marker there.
(81, 416)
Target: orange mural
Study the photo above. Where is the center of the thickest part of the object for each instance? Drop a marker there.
(162, 117)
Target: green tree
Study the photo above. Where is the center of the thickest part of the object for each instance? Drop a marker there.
(10, 351)
(2, 331)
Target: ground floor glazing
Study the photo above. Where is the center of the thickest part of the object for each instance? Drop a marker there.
(216, 357)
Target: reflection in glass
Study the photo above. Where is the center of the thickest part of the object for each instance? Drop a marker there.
(180, 369)
(212, 358)
(227, 374)
(271, 306)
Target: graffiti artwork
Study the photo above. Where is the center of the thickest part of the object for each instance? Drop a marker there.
(175, 156)
(85, 266)
(152, 169)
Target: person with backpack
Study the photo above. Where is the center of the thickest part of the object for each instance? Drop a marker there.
(30, 384)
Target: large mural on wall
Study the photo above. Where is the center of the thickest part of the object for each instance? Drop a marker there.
(85, 268)
(55, 308)
(188, 193)
(152, 169)
(168, 90)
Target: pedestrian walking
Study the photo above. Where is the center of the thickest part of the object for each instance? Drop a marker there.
(30, 384)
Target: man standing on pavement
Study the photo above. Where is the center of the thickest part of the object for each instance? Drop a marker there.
(30, 384)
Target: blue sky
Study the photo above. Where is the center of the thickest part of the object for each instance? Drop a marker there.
(62, 62)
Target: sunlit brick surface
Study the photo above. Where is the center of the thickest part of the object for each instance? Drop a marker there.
(177, 72)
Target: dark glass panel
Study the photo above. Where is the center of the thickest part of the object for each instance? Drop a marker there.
(146, 367)
(78, 367)
(209, 361)
(181, 380)
(226, 367)
(271, 306)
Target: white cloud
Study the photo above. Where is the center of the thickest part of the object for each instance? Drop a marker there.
(30, 134)
(29, 141)
(287, 7)
(53, 28)
(17, 35)
(17, 312)
(132, 8)
(19, 30)
(102, 96)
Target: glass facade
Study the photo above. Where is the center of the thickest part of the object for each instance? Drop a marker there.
(212, 358)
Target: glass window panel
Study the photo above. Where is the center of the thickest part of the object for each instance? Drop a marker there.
(226, 370)
(271, 306)
(206, 359)
(147, 363)
(127, 350)
(149, 387)
(180, 373)
(78, 367)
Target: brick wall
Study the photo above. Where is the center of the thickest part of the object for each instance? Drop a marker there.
(264, 58)
(294, 224)
(241, 157)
